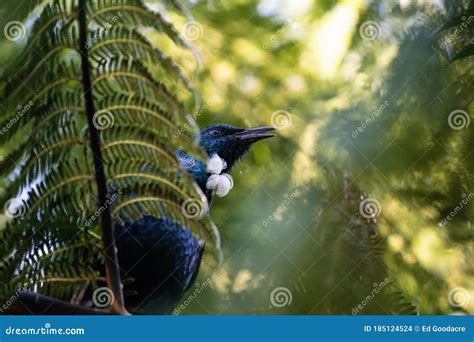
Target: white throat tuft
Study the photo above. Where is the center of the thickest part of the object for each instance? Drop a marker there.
(220, 183)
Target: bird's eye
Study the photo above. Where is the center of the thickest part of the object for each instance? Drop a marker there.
(215, 132)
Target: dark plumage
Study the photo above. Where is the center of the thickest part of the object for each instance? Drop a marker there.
(162, 257)
(163, 260)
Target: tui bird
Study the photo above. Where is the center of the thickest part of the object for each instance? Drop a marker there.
(162, 257)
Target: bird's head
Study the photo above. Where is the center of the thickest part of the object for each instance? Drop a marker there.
(231, 143)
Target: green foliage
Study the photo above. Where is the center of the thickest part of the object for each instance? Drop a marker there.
(293, 218)
(312, 61)
(54, 243)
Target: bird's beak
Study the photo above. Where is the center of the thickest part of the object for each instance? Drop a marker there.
(256, 134)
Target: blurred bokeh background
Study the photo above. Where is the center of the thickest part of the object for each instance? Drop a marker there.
(364, 202)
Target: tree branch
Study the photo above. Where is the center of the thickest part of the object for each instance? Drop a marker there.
(110, 251)
(30, 302)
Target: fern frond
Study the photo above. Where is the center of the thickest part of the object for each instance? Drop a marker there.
(131, 77)
(55, 57)
(133, 13)
(55, 245)
(122, 41)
